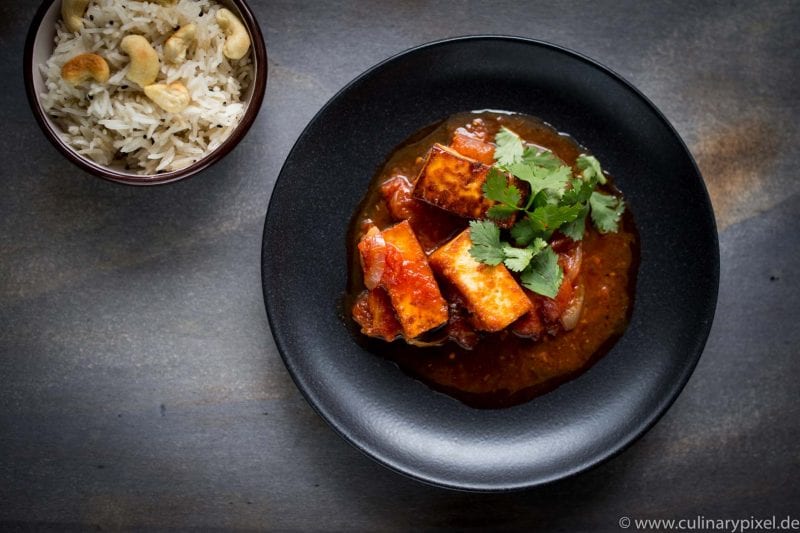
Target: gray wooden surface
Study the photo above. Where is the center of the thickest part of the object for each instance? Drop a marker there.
(139, 383)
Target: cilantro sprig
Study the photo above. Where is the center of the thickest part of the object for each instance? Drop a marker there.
(559, 200)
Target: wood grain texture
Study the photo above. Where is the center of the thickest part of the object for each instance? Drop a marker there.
(141, 386)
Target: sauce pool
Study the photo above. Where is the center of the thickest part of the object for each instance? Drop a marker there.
(503, 369)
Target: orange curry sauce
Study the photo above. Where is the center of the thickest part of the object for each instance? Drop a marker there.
(492, 370)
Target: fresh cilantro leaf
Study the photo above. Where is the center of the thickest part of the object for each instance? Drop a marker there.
(545, 197)
(501, 211)
(549, 218)
(543, 221)
(538, 245)
(497, 188)
(523, 232)
(606, 211)
(559, 200)
(575, 229)
(509, 147)
(591, 168)
(579, 193)
(517, 259)
(543, 158)
(486, 246)
(554, 180)
(541, 178)
(543, 275)
(521, 170)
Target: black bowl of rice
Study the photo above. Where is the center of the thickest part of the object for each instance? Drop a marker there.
(145, 92)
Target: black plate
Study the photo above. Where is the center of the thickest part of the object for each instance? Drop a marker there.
(401, 422)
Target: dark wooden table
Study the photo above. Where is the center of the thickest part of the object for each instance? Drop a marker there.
(141, 386)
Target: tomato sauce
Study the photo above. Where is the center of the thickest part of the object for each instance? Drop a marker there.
(492, 370)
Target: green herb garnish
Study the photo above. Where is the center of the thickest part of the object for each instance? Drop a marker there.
(559, 200)
(543, 275)
(509, 147)
(486, 245)
(606, 210)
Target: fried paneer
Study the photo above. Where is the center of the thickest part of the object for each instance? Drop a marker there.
(454, 183)
(492, 295)
(394, 260)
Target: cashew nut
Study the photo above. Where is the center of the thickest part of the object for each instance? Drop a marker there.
(176, 46)
(238, 40)
(84, 66)
(173, 98)
(144, 59)
(72, 13)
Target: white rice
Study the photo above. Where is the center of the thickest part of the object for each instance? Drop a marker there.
(114, 123)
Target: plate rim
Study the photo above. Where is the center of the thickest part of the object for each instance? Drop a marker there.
(622, 442)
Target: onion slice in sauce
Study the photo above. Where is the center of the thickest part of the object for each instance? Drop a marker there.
(571, 315)
(572, 263)
(373, 257)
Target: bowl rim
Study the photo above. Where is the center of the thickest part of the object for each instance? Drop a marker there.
(251, 112)
(370, 449)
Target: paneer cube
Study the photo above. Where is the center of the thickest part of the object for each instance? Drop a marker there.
(454, 183)
(492, 295)
(431, 225)
(374, 313)
(408, 280)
